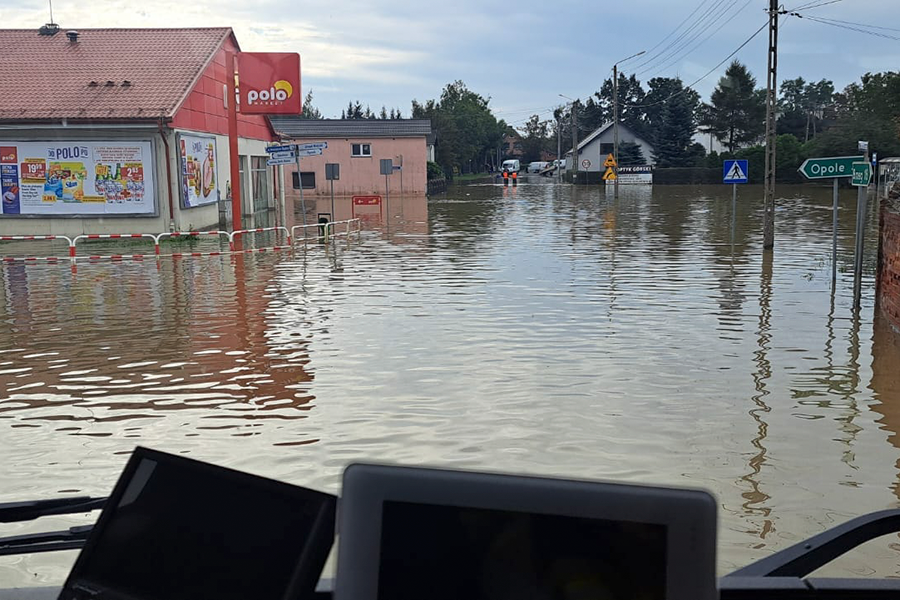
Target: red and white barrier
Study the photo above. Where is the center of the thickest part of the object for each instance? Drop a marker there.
(351, 225)
(241, 232)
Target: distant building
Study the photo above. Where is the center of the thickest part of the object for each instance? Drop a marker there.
(512, 146)
(358, 145)
(601, 143)
(123, 131)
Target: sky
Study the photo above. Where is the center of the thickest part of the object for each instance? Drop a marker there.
(522, 55)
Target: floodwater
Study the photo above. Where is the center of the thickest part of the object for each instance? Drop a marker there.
(540, 329)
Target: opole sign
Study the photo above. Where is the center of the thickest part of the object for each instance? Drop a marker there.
(269, 83)
(827, 168)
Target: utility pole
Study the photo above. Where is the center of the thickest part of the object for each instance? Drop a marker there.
(575, 142)
(558, 146)
(616, 120)
(771, 87)
(616, 129)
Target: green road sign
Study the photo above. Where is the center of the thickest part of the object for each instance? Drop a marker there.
(827, 168)
(862, 174)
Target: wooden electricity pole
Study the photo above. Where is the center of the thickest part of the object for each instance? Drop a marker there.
(771, 88)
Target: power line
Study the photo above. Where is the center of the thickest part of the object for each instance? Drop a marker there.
(708, 73)
(651, 59)
(858, 24)
(706, 39)
(814, 5)
(698, 29)
(650, 55)
(849, 27)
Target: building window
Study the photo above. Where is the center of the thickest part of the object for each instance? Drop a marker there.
(360, 150)
(607, 149)
(308, 178)
(260, 181)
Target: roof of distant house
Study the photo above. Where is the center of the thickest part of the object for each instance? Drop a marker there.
(598, 132)
(104, 74)
(298, 127)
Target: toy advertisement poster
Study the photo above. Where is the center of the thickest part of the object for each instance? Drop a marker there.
(199, 184)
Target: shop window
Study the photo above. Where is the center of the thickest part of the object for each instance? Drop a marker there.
(309, 180)
(260, 180)
(360, 150)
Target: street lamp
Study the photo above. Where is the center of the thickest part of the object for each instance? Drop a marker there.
(574, 138)
(616, 117)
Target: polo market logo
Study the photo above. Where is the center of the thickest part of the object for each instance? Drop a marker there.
(280, 91)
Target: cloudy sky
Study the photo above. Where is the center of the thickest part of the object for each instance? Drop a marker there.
(520, 54)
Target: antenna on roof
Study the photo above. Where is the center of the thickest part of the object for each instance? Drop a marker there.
(50, 28)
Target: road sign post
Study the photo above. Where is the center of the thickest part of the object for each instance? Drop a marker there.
(302, 201)
(735, 172)
(387, 169)
(332, 172)
(834, 167)
(861, 175)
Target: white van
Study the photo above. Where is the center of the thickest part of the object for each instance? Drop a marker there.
(512, 165)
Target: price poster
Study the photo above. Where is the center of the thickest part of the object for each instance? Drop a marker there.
(76, 178)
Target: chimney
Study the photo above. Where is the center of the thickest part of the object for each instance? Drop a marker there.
(49, 29)
(72, 35)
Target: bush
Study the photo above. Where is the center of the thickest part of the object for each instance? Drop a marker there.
(434, 171)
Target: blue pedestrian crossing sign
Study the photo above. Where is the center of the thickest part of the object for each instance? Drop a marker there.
(735, 171)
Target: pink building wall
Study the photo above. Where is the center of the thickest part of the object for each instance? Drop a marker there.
(361, 175)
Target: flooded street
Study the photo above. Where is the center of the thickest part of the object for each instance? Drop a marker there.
(541, 329)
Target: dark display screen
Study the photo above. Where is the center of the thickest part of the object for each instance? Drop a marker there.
(432, 552)
(184, 534)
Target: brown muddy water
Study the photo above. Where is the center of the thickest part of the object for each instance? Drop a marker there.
(543, 329)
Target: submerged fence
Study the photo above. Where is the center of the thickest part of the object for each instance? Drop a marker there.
(289, 239)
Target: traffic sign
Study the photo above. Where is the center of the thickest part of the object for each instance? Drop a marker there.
(282, 148)
(280, 161)
(735, 171)
(311, 145)
(586, 163)
(610, 175)
(827, 168)
(862, 174)
(309, 152)
(610, 161)
(283, 154)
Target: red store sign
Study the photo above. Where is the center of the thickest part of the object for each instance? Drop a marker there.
(269, 83)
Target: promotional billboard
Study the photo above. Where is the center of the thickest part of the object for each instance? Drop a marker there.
(269, 83)
(76, 178)
(641, 175)
(199, 183)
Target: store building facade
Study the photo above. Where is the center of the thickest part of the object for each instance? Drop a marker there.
(124, 131)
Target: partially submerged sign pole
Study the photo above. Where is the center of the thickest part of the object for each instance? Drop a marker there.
(862, 175)
(832, 168)
(387, 168)
(332, 172)
(735, 172)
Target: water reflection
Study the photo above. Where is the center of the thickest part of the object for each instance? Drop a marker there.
(539, 329)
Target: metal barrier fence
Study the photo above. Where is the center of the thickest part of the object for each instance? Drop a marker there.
(323, 232)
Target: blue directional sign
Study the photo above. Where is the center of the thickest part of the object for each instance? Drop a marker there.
(282, 148)
(735, 171)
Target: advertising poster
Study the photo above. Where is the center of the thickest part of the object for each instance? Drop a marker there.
(642, 175)
(76, 178)
(199, 184)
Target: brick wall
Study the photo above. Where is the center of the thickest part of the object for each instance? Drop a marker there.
(889, 273)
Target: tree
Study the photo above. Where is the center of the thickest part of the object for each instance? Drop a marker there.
(310, 111)
(630, 154)
(353, 111)
(631, 101)
(671, 115)
(802, 106)
(536, 138)
(466, 132)
(384, 113)
(737, 110)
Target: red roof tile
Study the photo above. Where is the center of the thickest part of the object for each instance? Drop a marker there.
(109, 74)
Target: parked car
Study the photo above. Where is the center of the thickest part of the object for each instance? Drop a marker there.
(537, 166)
(512, 165)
